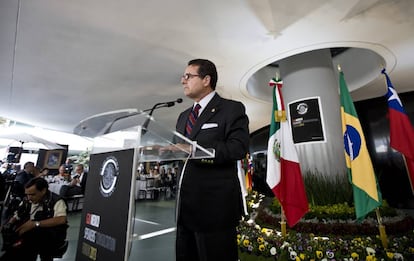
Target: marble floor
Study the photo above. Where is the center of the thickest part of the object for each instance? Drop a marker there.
(154, 232)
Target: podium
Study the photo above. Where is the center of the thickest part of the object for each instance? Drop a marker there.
(107, 218)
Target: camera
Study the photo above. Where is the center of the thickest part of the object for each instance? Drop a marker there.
(10, 237)
(68, 168)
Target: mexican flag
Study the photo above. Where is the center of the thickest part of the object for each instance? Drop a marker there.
(284, 176)
(361, 174)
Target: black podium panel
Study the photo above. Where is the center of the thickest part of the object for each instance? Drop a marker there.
(104, 229)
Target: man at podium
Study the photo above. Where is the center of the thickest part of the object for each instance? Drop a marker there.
(210, 199)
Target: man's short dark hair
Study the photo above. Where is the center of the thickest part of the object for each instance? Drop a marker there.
(27, 164)
(206, 67)
(39, 182)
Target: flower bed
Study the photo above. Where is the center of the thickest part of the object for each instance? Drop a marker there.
(259, 238)
(268, 244)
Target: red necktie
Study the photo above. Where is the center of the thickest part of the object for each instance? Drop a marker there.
(191, 120)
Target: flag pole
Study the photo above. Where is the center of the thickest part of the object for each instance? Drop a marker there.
(383, 234)
(408, 172)
(282, 222)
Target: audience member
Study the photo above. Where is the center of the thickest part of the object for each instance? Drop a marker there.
(22, 178)
(62, 176)
(77, 184)
(40, 225)
(44, 172)
(68, 166)
(170, 181)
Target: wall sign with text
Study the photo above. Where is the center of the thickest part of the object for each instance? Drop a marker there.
(306, 120)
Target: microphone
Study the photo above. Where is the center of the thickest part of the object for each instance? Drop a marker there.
(145, 125)
(163, 104)
(156, 106)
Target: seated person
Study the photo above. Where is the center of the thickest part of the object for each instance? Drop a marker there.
(62, 176)
(156, 176)
(44, 172)
(77, 184)
(40, 225)
(22, 178)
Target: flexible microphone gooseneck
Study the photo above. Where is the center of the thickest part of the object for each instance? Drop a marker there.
(157, 106)
(145, 125)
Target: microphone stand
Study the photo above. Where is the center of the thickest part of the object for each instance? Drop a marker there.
(156, 106)
(145, 125)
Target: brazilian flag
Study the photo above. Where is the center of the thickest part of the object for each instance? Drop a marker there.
(361, 174)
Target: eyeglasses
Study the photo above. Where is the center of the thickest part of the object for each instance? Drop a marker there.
(188, 76)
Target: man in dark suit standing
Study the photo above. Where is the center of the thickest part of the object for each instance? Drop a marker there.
(209, 203)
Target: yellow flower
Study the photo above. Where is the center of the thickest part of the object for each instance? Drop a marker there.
(246, 242)
(390, 255)
(261, 247)
(266, 231)
(302, 256)
(260, 240)
(319, 254)
(355, 255)
(238, 242)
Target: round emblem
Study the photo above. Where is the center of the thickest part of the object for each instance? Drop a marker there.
(302, 108)
(352, 141)
(109, 175)
(276, 150)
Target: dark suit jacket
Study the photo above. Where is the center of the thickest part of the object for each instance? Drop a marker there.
(83, 181)
(210, 196)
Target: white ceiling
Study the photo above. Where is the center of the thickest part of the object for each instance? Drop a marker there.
(63, 61)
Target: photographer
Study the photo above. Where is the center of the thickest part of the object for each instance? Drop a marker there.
(38, 227)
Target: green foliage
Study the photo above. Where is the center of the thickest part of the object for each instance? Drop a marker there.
(338, 211)
(327, 190)
(83, 158)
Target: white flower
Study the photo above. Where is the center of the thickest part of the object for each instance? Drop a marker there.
(273, 251)
(398, 256)
(285, 244)
(293, 255)
(370, 251)
(330, 254)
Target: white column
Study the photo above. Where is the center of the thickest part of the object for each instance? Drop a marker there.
(308, 75)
